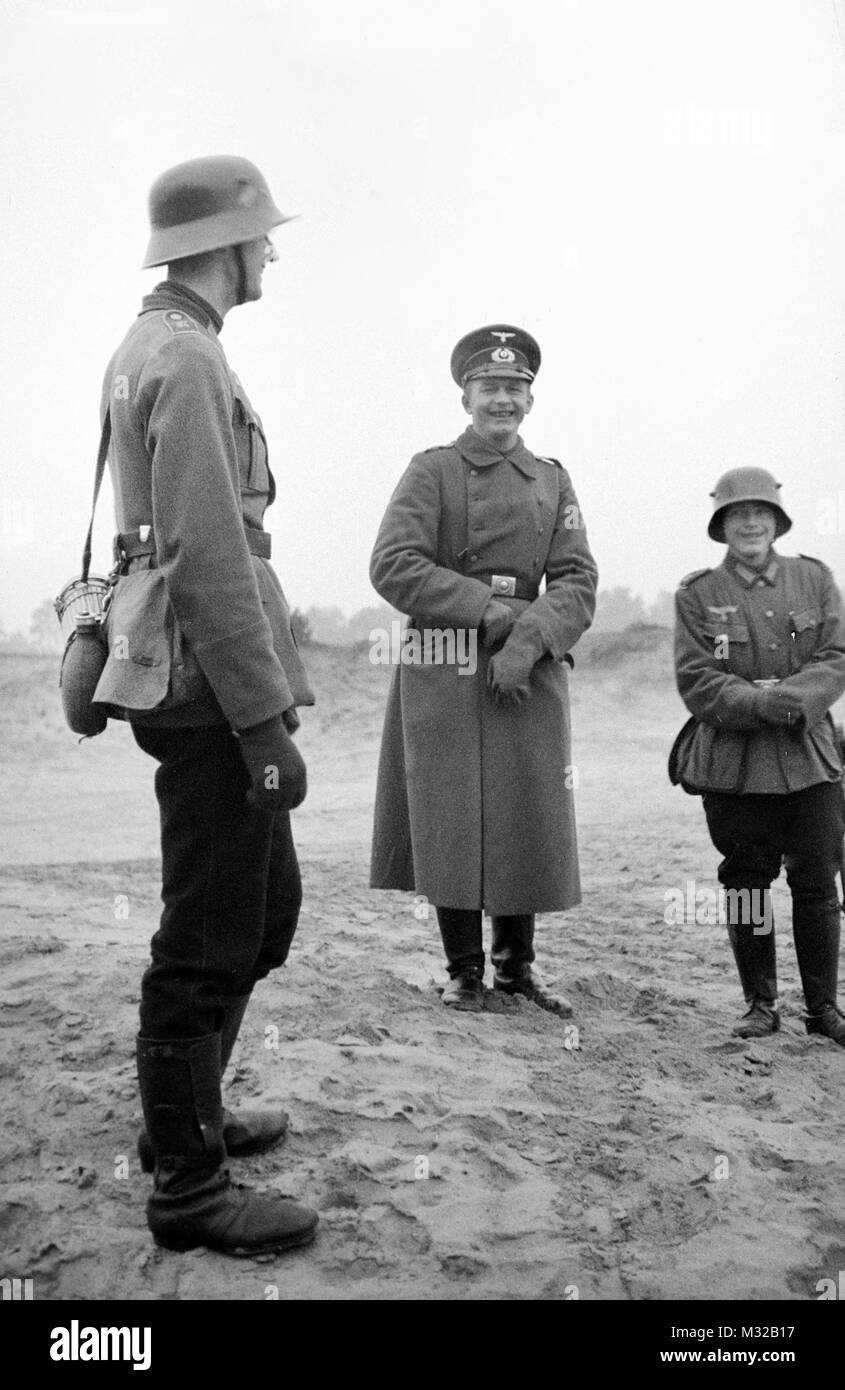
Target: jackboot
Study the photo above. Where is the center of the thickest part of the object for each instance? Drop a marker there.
(816, 928)
(248, 1131)
(460, 931)
(513, 955)
(754, 953)
(194, 1202)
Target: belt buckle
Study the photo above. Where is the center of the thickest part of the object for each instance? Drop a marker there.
(504, 585)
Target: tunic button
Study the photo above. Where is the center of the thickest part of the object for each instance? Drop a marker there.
(773, 646)
(769, 613)
(473, 472)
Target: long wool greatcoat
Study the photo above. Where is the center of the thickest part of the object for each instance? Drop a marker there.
(474, 802)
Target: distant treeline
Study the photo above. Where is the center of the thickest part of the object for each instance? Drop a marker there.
(616, 610)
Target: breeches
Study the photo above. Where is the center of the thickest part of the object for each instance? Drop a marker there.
(230, 883)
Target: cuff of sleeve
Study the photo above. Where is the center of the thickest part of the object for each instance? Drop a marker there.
(246, 675)
(528, 635)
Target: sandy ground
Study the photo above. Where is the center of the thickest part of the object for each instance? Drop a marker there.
(450, 1156)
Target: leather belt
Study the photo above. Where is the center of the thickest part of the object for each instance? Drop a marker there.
(129, 546)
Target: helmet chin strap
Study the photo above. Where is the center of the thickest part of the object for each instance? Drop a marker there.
(241, 263)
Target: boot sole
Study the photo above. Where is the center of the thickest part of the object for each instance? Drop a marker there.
(274, 1247)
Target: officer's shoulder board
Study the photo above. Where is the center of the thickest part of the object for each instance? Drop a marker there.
(813, 560)
(178, 322)
(692, 577)
(542, 458)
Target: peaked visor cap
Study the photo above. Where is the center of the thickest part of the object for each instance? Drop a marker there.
(500, 349)
(207, 203)
(746, 485)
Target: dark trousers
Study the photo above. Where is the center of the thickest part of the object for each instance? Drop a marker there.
(756, 833)
(512, 948)
(230, 884)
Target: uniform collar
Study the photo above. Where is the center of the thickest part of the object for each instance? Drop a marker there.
(171, 295)
(751, 577)
(477, 451)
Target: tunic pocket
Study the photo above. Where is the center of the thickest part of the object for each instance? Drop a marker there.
(252, 450)
(731, 646)
(802, 622)
(804, 627)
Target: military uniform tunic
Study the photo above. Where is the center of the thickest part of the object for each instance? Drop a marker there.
(474, 802)
(205, 624)
(735, 626)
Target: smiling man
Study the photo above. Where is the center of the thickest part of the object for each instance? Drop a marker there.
(760, 660)
(474, 803)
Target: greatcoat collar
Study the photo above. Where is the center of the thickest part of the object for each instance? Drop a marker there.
(480, 454)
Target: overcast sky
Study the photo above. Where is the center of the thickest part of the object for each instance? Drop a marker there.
(655, 190)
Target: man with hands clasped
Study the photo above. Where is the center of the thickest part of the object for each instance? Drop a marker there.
(474, 806)
(760, 660)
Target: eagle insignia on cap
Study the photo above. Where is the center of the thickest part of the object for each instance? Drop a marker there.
(515, 353)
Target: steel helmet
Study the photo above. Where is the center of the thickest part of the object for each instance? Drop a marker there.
(205, 204)
(746, 485)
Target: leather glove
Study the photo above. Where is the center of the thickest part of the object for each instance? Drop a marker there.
(778, 706)
(496, 623)
(275, 766)
(509, 671)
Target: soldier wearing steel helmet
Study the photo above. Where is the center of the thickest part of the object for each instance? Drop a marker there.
(474, 804)
(760, 660)
(203, 664)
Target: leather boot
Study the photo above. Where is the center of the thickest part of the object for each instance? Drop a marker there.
(460, 930)
(754, 953)
(194, 1202)
(248, 1131)
(513, 955)
(816, 928)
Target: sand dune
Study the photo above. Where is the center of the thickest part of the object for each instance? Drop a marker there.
(647, 1155)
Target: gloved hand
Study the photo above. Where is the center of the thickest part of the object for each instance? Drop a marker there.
(496, 622)
(509, 671)
(779, 706)
(274, 764)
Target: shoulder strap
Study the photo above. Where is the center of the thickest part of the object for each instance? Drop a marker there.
(102, 455)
